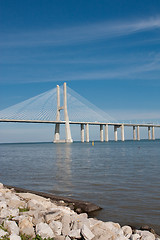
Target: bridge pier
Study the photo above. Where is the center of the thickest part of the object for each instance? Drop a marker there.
(134, 133)
(66, 118)
(149, 133)
(87, 132)
(153, 136)
(138, 133)
(122, 132)
(106, 133)
(115, 133)
(101, 133)
(82, 133)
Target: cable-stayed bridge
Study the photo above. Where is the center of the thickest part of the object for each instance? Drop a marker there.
(46, 108)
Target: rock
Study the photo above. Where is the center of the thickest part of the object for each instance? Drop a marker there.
(9, 212)
(33, 204)
(112, 226)
(75, 234)
(15, 203)
(147, 228)
(121, 238)
(44, 230)
(135, 236)
(78, 220)
(66, 219)
(3, 204)
(86, 233)
(11, 227)
(54, 215)
(145, 235)
(93, 222)
(61, 238)
(67, 238)
(3, 233)
(101, 232)
(14, 237)
(26, 227)
(1, 186)
(56, 227)
(127, 230)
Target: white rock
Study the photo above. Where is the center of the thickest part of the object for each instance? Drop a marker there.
(66, 219)
(33, 204)
(112, 226)
(101, 232)
(56, 226)
(3, 204)
(14, 237)
(146, 235)
(55, 215)
(67, 238)
(93, 222)
(75, 234)
(44, 230)
(3, 233)
(121, 238)
(16, 203)
(1, 185)
(86, 233)
(26, 227)
(8, 212)
(11, 227)
(135, 236)
(127, 230)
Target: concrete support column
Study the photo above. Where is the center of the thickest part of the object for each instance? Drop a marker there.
(115, 133)
(122, 132)
(138, 133)
(101, 133)
(66, 118)
(57, 126)
(149, 133)
(87, 132)
(82, 132)
(153, 136)
(134, 133)
(106, 133)
(57, 133)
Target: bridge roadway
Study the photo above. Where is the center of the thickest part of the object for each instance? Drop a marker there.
(79, 123)
(101, 124)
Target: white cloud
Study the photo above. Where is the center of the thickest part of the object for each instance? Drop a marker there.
(78, 34)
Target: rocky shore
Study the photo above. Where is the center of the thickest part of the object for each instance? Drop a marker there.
(28, 216)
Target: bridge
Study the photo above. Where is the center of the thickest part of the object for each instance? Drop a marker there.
(18, 114)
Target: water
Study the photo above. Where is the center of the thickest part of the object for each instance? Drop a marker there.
(121, 177)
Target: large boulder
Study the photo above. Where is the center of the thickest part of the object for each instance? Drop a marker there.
(26, 227)
(127, 230)
(56, 227)
(86, 233)
(145, 235)
(53, 215)
(3, 233)
(11, 227)
(14, 237)
(44, 230)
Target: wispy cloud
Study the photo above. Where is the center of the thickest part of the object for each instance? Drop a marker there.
(78, 34)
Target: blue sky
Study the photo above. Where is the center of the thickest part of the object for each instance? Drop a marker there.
(107, 51)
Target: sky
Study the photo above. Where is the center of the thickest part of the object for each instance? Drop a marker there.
(107, 51)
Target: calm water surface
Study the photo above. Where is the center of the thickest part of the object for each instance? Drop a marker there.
(121, 177)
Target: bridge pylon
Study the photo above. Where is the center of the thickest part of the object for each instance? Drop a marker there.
(68, 138)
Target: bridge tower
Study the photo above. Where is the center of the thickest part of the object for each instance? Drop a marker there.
(66, 118)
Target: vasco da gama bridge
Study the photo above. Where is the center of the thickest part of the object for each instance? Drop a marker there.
(46, 108)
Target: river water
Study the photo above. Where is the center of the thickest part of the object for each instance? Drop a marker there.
(121, 177)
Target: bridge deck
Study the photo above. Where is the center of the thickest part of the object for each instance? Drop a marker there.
(73, 122)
